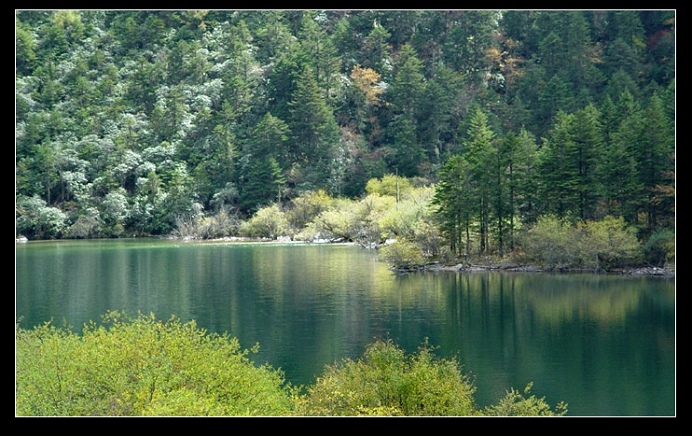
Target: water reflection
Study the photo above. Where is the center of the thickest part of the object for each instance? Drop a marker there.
(603, 344)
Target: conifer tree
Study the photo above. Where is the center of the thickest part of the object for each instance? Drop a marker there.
(314, 132)
(454, 202)
(587, 139)
(655, 160)
(480, 153)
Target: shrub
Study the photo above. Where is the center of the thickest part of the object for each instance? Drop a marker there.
(550, 243)
(402, 254)
(305, 208)
(607, 243)
(595, 245)
(516, 403)
(139, 367)
(386, 381)
(268, 222)
(37, 220)
(660, 247)
(85, 227)
(146, 367)
(389, 184)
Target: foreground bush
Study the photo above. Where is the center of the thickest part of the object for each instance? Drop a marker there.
(144, 367)
(141, 367)
(386, 381)
(516, 403)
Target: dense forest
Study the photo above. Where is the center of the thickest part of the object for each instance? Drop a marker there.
(146, 122)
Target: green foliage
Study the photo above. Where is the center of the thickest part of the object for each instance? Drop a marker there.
(313, 127)
(550, 242)
(138, 367)
(454, 202)
(114, 210)
(84, 228)
(337, 98)
(660, 248)
(608, 243)
(262, 182)
(143, 366)
(223, 223)
(402, 254)
(593, 245)
(389, 184)
(387, 381)
(37, 220)
(268, 222)
(357, 221)
(305, 208)
(410, 211)
(516, 403)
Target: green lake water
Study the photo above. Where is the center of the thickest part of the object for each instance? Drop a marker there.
(604, 344)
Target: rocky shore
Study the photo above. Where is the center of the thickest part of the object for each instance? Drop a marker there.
(470, 268)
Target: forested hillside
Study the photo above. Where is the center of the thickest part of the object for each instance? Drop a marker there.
(137, 122)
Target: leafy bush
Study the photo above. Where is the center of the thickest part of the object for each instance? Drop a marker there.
(146, 367)
(595, 245)
(550, 243)
(660, 247)
(218, 225)
(516, 403)
(37, 220)
(607, 243)
(269, 222)
(402, 254)
(85, 227)
(139, 367)
(389, 184)
(305, 208)
(386, 381)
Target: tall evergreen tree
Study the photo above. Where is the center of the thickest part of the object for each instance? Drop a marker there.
(408, 85)
(526, 177)
(481, 156)
(404, 97)
(321, 55)
(515, 197)
(313, 128)
(618, 172)
(375, 52)
(557, 95)
(408, 155)
(586, 137)
(437, 114)
(559, 184)
(454, 203)
(655, 160)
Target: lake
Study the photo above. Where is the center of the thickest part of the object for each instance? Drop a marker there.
(604, 344)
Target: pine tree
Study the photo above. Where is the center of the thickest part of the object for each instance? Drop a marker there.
(321, 55)
(408, 154)
(408, 85)
(313, 129)
(586, 137)
(515, 192)
(375, 52)
(559, 185)
(480, 153)
(454, 201)
(655, 161)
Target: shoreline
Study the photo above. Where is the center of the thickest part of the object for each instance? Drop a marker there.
(651, 271)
